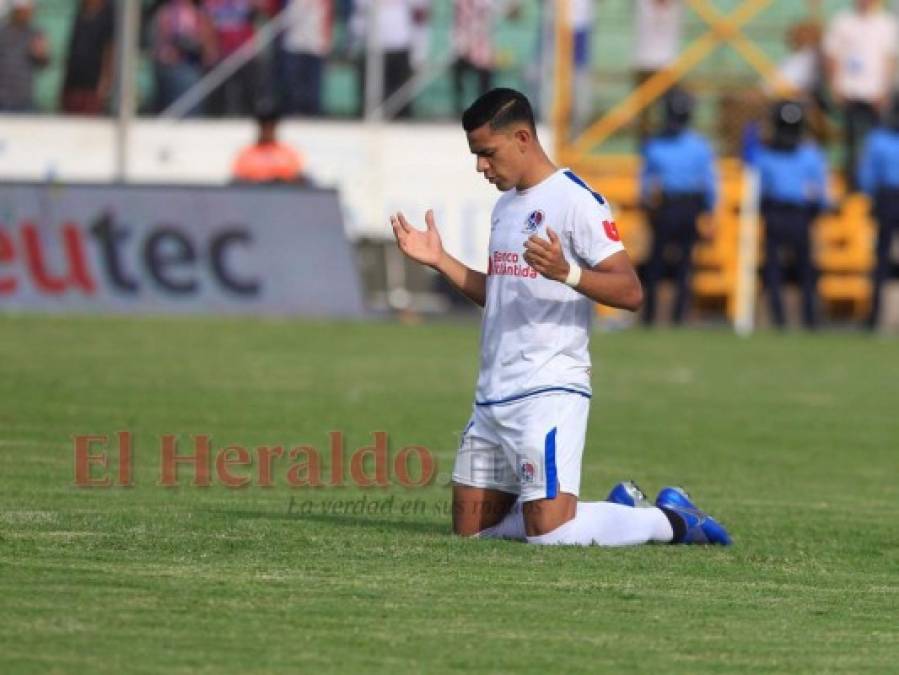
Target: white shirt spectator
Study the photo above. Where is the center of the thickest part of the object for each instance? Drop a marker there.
(659, 24)
(309, 27)
(395, 23)
(799, 70)
(580, 14)
(861, 45)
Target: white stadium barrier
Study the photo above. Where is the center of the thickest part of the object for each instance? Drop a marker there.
(174, 250)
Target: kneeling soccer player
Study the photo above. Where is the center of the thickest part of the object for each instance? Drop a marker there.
(554, 251)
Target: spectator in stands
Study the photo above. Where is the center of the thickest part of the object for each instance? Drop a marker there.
(678, 184)
(473, 24)
(89, 65)
(420, 45)
(581, 21)
(183, 47)
(306, 43)
(861, 49)
(268, 160)
(879, 178)
(802, 68)
(358, 42)
(23, 50)
(657, 42)
(802, 73)
(794, 190)
(234, 24)
(397, 21)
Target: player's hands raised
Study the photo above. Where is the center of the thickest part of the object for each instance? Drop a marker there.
(546, 256)
(422, 246)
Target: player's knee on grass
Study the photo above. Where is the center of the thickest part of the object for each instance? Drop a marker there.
(542, 516)
(476, 509)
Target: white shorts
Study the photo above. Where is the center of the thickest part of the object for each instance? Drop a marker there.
(531, 447)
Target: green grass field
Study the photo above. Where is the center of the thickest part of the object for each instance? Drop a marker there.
(790, 440)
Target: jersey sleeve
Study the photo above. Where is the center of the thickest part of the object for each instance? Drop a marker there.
(594, 235)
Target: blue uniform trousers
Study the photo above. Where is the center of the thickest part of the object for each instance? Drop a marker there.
(886, 210)
(674, 231)
(788, 230)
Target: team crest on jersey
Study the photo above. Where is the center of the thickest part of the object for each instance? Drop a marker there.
(534, 221)
(527, 472)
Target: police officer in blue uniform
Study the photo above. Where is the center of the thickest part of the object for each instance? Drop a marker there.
(879, 178)
(678, 183)
(793, 188)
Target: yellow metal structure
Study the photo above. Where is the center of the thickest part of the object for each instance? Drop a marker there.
(844, 250)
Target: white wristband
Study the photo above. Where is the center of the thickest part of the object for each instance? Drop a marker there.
(574, 276)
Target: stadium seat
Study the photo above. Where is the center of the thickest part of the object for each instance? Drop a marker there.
(843, 241)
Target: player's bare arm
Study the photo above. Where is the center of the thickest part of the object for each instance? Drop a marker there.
(613, 282)
(426, 247)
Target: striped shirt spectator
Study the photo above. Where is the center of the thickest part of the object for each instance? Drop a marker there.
(183, 46)
(23, 49)
(234, 24)
(473, 24)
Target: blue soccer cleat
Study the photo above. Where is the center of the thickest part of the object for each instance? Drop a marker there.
(628, 493)
(701, 528)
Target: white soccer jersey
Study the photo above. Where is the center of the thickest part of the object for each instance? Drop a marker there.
(536, 331)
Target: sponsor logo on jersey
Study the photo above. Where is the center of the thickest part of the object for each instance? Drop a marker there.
(509, 264)
(534, 221)
(611, 230)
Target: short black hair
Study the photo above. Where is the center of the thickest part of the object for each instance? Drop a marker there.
(267, 111)
(499, 108)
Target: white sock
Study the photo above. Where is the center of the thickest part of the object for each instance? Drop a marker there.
(608, 524)
(510, 527)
